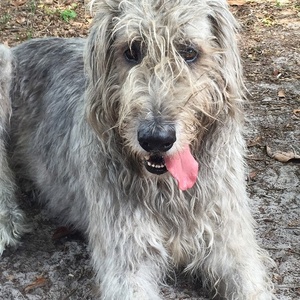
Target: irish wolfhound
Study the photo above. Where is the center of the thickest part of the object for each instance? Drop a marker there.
(11, 218)
(135, 136)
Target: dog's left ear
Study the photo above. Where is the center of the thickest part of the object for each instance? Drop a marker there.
(225, 30)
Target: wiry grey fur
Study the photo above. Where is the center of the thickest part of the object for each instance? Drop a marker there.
(77, 108)
(11, 218)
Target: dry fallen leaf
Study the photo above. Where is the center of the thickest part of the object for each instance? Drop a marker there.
(254, 142)
(17, 3)
(236, 2)
(296, 111)
(282, 156)
(252, 175)
(39, 282)
(281, 94)
(21, 20)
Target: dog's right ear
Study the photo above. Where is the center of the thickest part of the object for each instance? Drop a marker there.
(97, 55)
(98, 60)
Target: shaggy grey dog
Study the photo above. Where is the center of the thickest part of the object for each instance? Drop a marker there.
(135, 136)
(11, 218)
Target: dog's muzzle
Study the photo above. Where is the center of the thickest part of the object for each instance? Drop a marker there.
(156, 140)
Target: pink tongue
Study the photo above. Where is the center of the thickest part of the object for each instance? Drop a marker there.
(183, 167)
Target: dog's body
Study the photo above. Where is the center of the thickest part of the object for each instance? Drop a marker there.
(104, 127)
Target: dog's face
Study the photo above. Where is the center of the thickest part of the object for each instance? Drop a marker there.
(167, 72)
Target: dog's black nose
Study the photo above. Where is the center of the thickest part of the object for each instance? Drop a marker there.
(156, 138)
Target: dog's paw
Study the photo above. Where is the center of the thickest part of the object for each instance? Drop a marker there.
(11, 228)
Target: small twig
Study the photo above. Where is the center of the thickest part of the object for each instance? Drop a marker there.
(288, 286)
(255, 158)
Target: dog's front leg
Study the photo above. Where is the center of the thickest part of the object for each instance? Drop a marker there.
(235, 266)
(11, 217)
(128, 257)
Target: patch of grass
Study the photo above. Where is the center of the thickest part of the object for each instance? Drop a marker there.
(29, 34)
(32, 6)
(278, 3)
(5, 18)
(68, 14)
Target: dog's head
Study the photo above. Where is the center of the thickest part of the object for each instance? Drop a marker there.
(160, 74)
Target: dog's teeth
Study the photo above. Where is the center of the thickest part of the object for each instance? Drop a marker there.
(155, 166)
(147, 157)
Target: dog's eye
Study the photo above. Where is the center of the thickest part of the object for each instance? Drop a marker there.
(133, 54)
(189, 54)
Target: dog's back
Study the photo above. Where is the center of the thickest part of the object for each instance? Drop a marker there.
(47, 90)
(42, 63)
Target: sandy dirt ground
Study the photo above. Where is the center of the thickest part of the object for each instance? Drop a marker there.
(45, 266)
